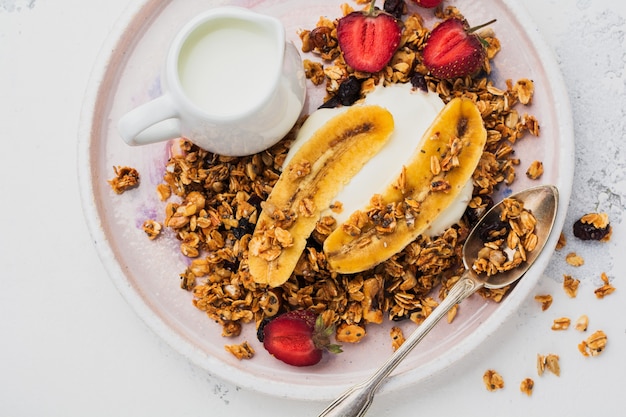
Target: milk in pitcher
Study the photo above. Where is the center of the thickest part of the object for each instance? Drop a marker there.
(228, 67)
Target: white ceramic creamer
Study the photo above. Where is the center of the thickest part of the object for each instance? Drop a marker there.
(233, 86)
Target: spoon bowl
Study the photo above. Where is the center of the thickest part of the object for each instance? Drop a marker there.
(542, 202)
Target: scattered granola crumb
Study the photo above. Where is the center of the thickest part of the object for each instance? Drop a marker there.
(493, 380)
(535, 170)
(582, 323)
(605, 289)
(574, 259)
(560, 244)
(336, 207)
(562, 323)
(549, 362)
(152, 228)
(545, 300)
(125, 179)
(526, 386)
(452, 313)
(397, 337)
(570, 285)
(594, 344)
(164, 191)
(593, 226)
(242, 351)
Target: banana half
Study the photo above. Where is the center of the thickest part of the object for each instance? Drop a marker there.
(431, 180)
(307, 186)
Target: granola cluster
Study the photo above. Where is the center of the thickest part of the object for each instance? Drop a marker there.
(125, 179)
(219, 199)
(508, 242)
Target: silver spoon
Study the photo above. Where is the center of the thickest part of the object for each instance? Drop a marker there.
(542, 201)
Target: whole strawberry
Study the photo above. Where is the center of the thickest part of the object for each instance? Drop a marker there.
(368, 39)
(429, 4)
(298, 338)
(453, 50)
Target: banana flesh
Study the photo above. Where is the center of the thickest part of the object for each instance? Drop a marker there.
(308, 184)
(432, 179)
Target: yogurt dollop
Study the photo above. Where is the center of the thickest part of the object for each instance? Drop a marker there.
(413, 112)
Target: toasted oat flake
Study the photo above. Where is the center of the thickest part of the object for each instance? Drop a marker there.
(560, 244)
(598, 220)
(152, 228)
(452, 313)
(493, 380)
(526, 386)
(397, 337)
(535, 170)
(574, 259)
(561, 323)
(525, 89)
(570, 285)
(605, 289)
(241, 351)
(582, 323)
(545, 300)
(594, 344)
(549, 362)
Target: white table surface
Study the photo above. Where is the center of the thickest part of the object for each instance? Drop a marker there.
(70, 345)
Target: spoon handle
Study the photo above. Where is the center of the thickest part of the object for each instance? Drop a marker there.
(356, 400)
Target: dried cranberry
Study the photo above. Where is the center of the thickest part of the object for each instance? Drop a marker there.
(418, 81)
(395, 8)
(259, 332)
(472, 215)
(493, 231)
(587, 231)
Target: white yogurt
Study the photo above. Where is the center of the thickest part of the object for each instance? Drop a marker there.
(413, 112)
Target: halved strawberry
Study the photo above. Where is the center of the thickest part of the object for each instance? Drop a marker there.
(368, 39)
(453, 50)
(429, 4)
(298, 338)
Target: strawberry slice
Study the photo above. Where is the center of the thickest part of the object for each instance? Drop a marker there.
(298, 338)
(453, 50)
(429, 4)
(368, 39)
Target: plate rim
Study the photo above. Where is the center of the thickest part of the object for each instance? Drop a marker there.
(86, 176)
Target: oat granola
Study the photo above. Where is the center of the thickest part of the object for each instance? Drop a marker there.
(125, 179)
(549, 362)
(545, 300)
(570, 285)
(574, 259)
(241, 351)
(594, 344)
(561, 323)
(493, 380)
(526, 386)
(508, 242)
(214, 202)
(606, 289)
(582, 323)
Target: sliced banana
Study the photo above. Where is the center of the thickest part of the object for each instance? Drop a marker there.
(432, 179)
(308, 184)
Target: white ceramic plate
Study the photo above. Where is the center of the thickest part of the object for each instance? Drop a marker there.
(147, 272)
